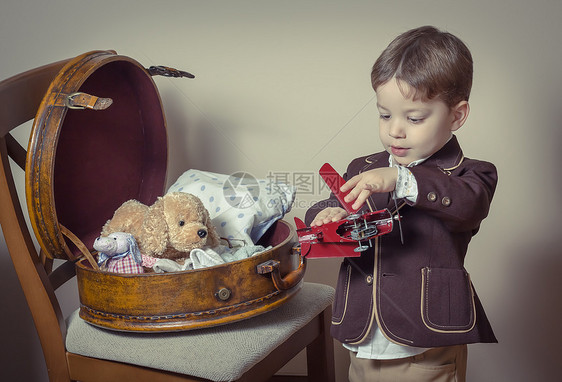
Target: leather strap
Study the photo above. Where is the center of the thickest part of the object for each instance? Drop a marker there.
(78, 243)
(81, 100)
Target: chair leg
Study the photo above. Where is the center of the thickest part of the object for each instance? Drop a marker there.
(320, 353)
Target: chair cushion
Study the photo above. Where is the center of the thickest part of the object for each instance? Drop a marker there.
(222, 353)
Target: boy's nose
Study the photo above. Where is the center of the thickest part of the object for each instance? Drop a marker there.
(396, 130)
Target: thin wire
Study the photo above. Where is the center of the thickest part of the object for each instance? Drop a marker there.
(205, 117)
(399, 219)
(343, 127)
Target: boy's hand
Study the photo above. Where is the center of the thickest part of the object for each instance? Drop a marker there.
(363, 185)
(327, 215)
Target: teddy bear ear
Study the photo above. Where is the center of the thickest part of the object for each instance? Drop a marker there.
(154, 230)
(213, 239)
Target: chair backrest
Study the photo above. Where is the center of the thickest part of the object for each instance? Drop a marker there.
(20, 97)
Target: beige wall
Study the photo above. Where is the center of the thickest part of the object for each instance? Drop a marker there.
(283, 86)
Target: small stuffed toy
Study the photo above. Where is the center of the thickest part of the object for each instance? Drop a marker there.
(169, 229)
(119, 253)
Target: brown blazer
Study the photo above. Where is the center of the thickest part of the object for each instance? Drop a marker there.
(418, 293)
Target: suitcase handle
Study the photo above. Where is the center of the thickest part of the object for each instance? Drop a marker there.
(282, 283)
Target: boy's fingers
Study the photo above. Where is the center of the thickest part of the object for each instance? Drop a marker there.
(351, 196)
(328, 215)
(354, 194)
(361, 199)
(339, 216)
(318, 221)
(349, 184)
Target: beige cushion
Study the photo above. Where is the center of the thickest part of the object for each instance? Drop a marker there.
(222, 353)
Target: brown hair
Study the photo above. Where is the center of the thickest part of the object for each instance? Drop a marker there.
(431, 62)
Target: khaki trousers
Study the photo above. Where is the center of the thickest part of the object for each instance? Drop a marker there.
(443, 364)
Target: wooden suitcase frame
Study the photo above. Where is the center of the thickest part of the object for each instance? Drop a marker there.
(68, 206)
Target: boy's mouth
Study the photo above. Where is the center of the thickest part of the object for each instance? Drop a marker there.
(399, 151)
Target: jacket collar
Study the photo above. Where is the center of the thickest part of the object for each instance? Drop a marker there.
(449, 157)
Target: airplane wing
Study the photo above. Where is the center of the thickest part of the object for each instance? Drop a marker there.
(335, 181)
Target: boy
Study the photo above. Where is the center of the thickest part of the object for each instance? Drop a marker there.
(406, 308)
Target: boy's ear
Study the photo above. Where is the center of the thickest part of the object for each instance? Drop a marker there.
(459, 114)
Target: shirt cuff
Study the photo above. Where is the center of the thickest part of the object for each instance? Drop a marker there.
(406, 185)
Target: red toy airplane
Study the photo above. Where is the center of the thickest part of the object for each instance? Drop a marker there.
(347, 237)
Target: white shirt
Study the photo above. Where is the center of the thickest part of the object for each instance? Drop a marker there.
(376, 345)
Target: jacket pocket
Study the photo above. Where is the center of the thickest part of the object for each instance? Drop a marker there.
(447, 300)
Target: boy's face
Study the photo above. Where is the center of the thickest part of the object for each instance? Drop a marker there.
(410, 129)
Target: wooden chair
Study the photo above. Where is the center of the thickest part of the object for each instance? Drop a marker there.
(20, 97)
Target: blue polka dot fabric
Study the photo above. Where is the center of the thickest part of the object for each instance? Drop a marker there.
(241, 207)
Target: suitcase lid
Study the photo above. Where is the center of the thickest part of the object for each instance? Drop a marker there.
(82, 163)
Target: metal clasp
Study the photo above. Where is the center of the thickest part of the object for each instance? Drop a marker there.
(69, 101)
(166, 71)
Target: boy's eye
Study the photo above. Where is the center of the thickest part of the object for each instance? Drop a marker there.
(415, 120)
(385, 117)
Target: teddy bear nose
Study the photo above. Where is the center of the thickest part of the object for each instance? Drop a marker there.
(202, 233)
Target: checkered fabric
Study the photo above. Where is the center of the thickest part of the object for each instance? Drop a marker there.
(126, 264)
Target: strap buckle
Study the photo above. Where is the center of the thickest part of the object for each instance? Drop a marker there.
(79, 100)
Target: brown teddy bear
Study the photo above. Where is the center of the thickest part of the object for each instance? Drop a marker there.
(169, 229)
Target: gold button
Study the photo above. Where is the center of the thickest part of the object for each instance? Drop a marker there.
(369, 279)
(432, 196)
(446, 201)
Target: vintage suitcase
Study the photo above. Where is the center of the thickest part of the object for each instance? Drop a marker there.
(98, 140)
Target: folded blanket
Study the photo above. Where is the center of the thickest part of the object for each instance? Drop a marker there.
(240, 206)
(207, 257)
